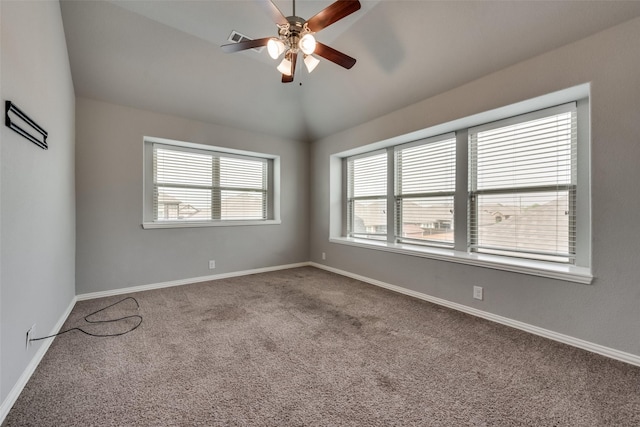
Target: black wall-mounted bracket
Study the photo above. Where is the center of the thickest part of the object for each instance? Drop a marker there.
(11, 108)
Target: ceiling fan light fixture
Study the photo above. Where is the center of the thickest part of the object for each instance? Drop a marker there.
(311, 62)
(275, 47)
(285, 67)
(297, 35)
(307, 44)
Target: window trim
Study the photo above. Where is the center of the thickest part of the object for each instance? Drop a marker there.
(581, 272)
(567, 272)
(273, 213)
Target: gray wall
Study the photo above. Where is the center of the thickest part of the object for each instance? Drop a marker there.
(605, 312)
(113, 251)
(37, 209)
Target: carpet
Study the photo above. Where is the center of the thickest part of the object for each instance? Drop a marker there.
(306, 347)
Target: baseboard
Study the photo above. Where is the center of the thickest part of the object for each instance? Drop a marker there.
(11, 398)
(101, 294)
(622, 356)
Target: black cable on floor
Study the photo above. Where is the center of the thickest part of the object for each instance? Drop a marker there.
(86, 319)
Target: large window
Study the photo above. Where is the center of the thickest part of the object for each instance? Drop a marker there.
(505, 192)
(522, 182)
(198, 184)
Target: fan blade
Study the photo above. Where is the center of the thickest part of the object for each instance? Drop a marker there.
(289, 79)
(249, 44)
(334, 56)
(273, 11)
(332, 13)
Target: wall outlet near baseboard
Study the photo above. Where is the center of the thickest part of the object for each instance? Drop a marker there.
(29, 336)
(477, 292)
(212, 264)
(324, 255)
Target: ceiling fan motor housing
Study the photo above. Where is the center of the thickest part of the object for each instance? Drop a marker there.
(290, 34)
(296, 23)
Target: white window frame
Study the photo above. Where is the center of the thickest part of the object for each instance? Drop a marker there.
(441, 193)
(580, 272)
(570, 187)
(351, 200)
(273, 187)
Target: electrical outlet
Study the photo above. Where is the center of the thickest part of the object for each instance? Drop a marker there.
(324, 255)
(212, 264)
(477, 292)
(29, 336)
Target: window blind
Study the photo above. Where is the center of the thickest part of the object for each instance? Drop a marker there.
(367, 196)
(197, 185)
(522, 181)
(425, 186)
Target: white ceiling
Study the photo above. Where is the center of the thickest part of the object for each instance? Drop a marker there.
(165, 56)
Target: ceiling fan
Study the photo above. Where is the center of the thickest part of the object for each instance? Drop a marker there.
(295, 35)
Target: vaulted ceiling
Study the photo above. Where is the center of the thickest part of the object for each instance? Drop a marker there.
(165, 56)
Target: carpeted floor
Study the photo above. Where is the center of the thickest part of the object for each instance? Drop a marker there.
(305, 347)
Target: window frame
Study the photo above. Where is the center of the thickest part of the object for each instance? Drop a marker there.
(351, 200)
(570, 187)
(580, 272)
(399, 196)
(273, 184)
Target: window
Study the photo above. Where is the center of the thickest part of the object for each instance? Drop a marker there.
(507, 189)
(367, 196)
(522, 182)
(196, 184)
(425, 186)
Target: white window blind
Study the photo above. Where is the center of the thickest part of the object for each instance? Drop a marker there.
(425, 186)
(367, 196)
(201, 185)
(522, 182)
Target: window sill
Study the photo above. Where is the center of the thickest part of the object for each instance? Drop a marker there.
(151, 225)
(568, 273)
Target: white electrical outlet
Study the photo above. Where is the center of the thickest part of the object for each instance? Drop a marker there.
(30, 334)
(477, 292)
(324, 256)
(212, 264)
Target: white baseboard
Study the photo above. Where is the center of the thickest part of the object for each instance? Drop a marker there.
(33, 364)
(622, 356)
(101, 294)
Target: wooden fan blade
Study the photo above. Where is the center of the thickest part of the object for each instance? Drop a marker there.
(249, 44)
(334, 56)
(289, 79)
(332, 13)
(273, 11)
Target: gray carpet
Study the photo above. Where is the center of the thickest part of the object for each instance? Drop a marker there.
(305, 347)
